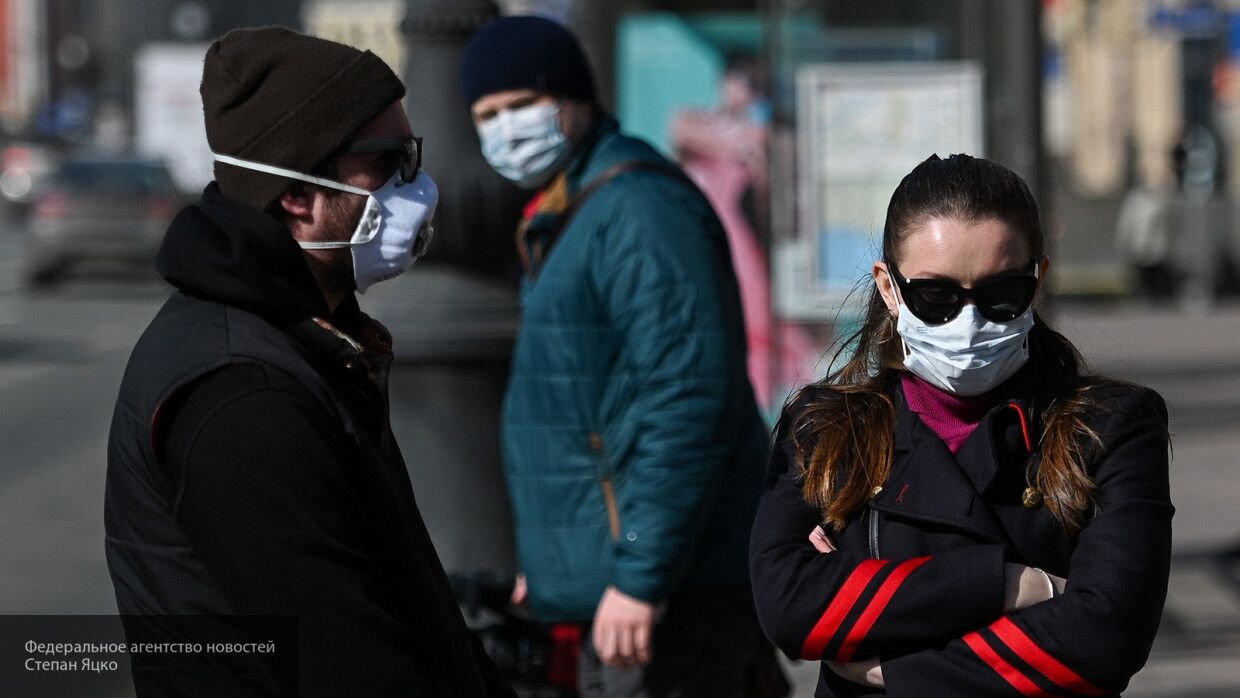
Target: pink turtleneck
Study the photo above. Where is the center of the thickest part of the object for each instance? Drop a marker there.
(952, 417)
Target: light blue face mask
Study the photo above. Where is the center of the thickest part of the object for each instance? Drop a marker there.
(526, 145)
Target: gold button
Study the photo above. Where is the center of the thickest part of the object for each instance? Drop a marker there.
(596, 442)
(348, 365)
(1032, 498)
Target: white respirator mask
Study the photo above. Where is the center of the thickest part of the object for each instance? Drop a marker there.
(395, 227)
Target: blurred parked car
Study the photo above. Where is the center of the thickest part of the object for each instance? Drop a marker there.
(24, 166)
(113, 208)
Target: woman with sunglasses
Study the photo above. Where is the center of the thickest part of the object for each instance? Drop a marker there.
(961, 508)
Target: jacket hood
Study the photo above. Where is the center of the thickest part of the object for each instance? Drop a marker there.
(231, 252)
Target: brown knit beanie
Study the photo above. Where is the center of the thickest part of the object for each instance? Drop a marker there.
(275, 96)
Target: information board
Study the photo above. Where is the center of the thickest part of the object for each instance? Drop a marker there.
(860, 129)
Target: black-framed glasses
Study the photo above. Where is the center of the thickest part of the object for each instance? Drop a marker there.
(937, 301)
(410, 150)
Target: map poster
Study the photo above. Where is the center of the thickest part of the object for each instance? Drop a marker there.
(860, 129)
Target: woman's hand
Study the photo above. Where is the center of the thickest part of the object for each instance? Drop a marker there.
(1025, 586)
(867, 672)
(820, 541)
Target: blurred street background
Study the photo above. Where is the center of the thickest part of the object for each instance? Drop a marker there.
(796, 117)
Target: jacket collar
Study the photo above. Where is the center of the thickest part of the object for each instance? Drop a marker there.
(586, 164)
(542, 214)
(230, 252)
(926, 483)
(1018, 400)
(348, 340)
(929, 483)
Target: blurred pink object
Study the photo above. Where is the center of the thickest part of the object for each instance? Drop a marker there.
(726, 155)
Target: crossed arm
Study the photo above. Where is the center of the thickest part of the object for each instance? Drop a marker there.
(966, 622)
(1024, 586)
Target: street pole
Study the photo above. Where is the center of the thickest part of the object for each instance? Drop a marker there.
(453, 319)
(477, 210)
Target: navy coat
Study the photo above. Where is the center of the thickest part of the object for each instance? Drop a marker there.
(918, 578)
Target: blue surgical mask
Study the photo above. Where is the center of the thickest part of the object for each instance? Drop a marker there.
(525, 145)
(968, 355)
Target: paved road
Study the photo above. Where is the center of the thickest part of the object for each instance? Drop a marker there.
(1194, 361)
(62, 354)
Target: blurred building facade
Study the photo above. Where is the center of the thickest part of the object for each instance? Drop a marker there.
(1082, 97)
(1126, 80)
(67, 66)
(23, 70)
(1142, 114)
(370, 24)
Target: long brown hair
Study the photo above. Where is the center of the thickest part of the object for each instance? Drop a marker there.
(845, 437)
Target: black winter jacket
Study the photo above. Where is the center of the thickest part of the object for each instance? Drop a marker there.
(918, 578)
(253, 480)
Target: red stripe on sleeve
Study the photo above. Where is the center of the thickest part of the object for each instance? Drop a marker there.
(1015, 638)
(839, 607)
(877, 604)
(1009, 673)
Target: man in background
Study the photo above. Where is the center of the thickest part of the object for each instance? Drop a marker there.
(634, 449)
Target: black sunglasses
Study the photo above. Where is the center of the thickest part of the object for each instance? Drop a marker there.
(937, 301)
(410, 150)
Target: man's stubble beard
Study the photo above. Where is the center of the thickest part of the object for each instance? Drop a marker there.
(342, 212)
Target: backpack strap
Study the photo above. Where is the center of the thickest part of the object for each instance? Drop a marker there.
(574, 205)
(660, 168)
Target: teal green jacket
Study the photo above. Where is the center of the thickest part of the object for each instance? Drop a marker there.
(634, 449)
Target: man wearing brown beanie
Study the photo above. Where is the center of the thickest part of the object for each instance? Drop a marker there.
(262, 532)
